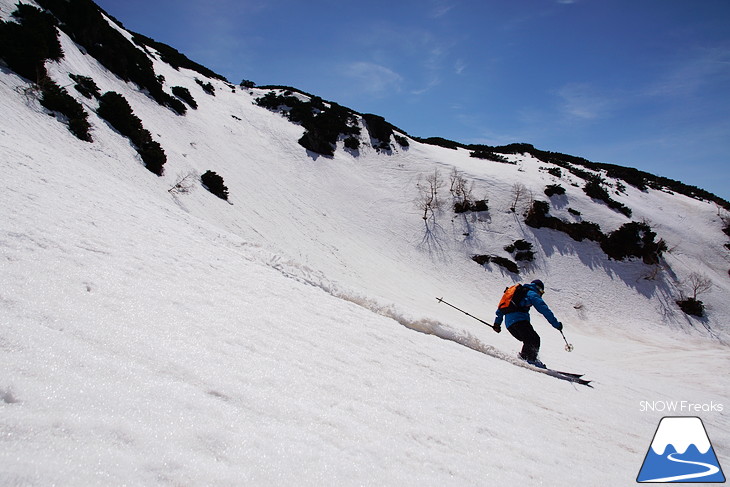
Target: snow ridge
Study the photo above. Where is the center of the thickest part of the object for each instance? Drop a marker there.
(152, 338)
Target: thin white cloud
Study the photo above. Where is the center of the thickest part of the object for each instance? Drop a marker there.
(440, 9)
(582, 101)
(423, 58)
(434, 82)
(700, 68)
(373, 78)
(459, 66)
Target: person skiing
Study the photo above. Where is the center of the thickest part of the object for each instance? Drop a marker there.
(517, 320)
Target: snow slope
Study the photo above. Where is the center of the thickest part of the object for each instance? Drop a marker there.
(293, 337)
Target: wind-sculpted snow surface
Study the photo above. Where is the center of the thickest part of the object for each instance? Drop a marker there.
(291, 335)
(305, 275)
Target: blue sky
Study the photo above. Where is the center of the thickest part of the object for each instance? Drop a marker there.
(641, 83)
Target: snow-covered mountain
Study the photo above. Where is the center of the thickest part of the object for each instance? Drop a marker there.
(154, 333)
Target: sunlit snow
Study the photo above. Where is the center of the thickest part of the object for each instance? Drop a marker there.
(293, 336)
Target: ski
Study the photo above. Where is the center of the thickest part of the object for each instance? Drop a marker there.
(566, 376)
(568, 373)
(559, 374)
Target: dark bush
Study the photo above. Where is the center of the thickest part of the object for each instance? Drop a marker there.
(639, 179)
(184, 94)
(86, 86)
(328, 124)
(480, 205)
(490, 156)
(324, 124)
(500, 261)
(464, 206)
(692, 306)
(506, 263)
(115, 109)
(207, 87)
(380, 131)
(554, 189)
(57, 99)
(555, 171)
(518, 245)
(352, 143)
(274, 102)
(402, 141)
(152, 155)
(316, 141)
(525, 255)
(574, 212)
(537, 217)
(173, 57)
(439, 141)
(176, 105)
(83, 22)
(247, 84)
(594, 188)
(522, 250)
(634, 239)
(26, 45)
(584, 231)
(214, 183)
(482, 259)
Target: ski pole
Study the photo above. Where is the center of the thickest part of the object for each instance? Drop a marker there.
(441, 300)
(568, 346)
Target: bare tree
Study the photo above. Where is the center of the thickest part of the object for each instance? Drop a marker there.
(454, 177)
(519, 193)
(699, 284)
(428, 198)
(722, 213)
(184, 183)
(430, 203)
(30, 93)
(654, 271)
(462, 190)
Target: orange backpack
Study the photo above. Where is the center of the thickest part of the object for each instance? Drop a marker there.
(511, 298)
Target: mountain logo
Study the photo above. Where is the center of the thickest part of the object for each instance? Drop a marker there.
(681, 452)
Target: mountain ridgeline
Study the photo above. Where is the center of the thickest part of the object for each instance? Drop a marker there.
(30, 40)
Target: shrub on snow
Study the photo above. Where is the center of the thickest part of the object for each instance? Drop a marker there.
(214, 183)
(115, 109)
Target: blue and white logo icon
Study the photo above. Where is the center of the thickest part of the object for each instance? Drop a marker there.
(681, 452)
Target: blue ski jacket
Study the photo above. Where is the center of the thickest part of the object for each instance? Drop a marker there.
(532, 298)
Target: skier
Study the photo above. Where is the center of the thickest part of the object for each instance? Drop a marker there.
(517, 320)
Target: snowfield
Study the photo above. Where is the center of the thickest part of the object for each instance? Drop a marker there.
(293, 336)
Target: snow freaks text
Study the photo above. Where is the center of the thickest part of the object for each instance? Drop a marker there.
(681, 407)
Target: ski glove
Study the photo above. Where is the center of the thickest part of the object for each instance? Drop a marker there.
(497, 327)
